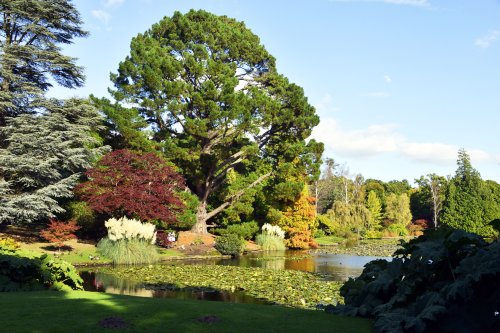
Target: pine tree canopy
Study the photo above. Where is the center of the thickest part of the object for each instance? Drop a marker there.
(30, 32)
(212, 95)
(44, 158)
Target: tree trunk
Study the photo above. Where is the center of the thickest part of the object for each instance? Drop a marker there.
(200, 227)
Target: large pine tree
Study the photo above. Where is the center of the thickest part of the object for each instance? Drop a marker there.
(218, 107)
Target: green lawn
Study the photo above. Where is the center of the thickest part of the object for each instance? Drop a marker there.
(329, 240)
(53, 312)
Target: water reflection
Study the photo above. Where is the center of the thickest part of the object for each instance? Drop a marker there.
(338, 267)
(335, 267)
(101, 282)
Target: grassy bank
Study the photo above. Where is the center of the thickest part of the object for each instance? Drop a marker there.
(53, 312)
(365, 247)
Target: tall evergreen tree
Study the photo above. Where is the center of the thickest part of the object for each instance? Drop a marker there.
(215, 102)
(44, 158)
(30, 32)
(464, 207)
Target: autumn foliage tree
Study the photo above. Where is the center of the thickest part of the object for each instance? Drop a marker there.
(297, 221)
(136, 185)
(59, 231)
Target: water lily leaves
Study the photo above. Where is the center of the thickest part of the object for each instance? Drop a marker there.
(286, 287)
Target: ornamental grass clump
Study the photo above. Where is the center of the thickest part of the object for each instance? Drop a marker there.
(271, 238)
(129, 241)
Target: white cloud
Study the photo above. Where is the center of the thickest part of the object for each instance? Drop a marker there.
(111, 3)
(377, 94)
(415, 3)
(387, 79)
(385, 139)
(488, 39)
(101, 15)
(326, 105)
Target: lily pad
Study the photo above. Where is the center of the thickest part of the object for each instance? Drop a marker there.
(285, 287)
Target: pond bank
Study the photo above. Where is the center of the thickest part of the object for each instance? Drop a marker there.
(367, 247)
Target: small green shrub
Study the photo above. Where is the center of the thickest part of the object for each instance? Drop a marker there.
(319, 233)
(270, 242)
(20, 271)
(373, 234)
(245, 230)
(229, 244)
(82, 214)
(128, 251)
(397, 229)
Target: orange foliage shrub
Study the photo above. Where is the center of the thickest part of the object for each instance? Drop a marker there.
(58, 232)
(298, 220)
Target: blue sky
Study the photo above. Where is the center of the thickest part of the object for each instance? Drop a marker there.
(400, 85)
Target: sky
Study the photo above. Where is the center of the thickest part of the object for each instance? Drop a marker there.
(399, 85)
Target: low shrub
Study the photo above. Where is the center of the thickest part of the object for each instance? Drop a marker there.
(245, 230)
(397, 229)
(443, 281)
(128, 251)
(129, 241)
(20, 271)
(270, 242)
(58, 232)
(229, 244)
(319, 233)
(83, 215)
(271, 238)
(9, 244)
(373, 234)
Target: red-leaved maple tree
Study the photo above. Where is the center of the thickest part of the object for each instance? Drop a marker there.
(58, 232)
(136, 185)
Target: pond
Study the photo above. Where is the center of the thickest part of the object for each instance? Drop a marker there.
(335, 267)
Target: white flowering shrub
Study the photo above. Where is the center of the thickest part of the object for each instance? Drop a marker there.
(128, 229)
(129, 241)
(271, 238)
(273, 230)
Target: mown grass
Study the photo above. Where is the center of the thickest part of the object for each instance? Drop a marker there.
(329, 240)
(45, 312)
(54, 312)
(85, 254)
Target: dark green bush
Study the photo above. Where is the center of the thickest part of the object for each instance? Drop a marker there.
(245, 230)
(443, 281)
(21, 272)
(230, 244)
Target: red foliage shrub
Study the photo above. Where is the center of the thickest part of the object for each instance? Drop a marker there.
(423, 223)
(136, 185)
(58, 231)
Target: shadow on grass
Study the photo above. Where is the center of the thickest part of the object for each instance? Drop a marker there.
(54, 312)
(55, 248)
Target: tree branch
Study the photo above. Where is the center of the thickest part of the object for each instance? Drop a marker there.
(236, 196)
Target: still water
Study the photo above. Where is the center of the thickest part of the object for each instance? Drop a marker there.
(337, 267)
